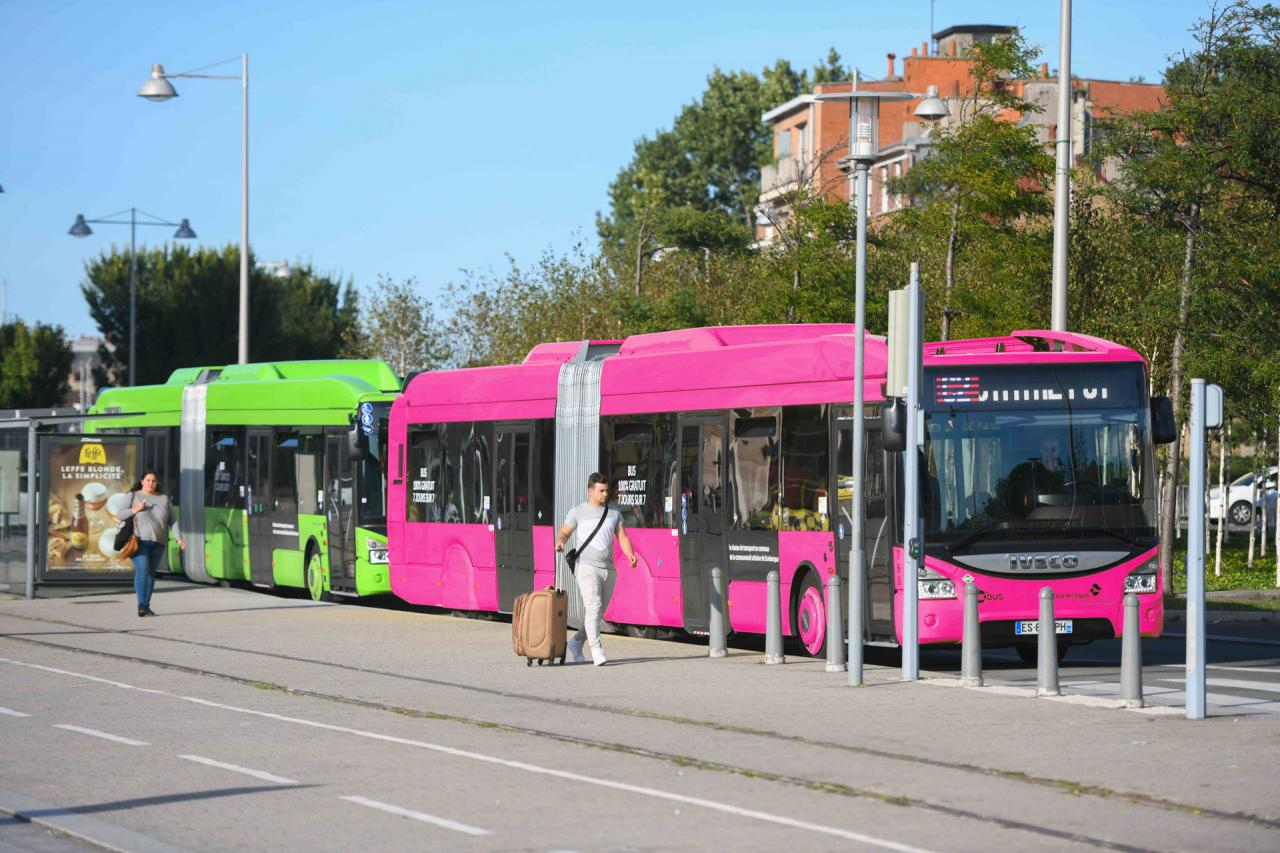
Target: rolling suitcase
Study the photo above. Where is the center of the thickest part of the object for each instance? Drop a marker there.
(539, 626)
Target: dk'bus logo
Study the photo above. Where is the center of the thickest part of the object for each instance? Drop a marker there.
(93, 454)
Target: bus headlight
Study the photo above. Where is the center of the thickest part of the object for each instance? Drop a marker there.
(1142, 581)
(932, 585)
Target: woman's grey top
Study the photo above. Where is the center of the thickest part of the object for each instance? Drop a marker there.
(153, 522)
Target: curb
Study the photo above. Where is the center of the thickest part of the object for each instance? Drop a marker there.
(1178, 617)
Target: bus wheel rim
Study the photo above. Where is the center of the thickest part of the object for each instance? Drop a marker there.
(314, 583)
(812, 616)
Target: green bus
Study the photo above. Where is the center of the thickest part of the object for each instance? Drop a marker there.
(285, 462)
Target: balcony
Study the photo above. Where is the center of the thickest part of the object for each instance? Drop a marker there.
(779, 176)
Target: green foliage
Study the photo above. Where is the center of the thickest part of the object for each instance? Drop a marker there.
(1236, 573)
(188, 311)
(35, 363)
(400, 327)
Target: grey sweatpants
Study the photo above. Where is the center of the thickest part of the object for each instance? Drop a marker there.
(590, 580)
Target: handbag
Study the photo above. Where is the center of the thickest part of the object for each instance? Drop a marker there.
(126, 542)
(571, 554)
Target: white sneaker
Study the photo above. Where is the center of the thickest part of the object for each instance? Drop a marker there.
(597, 656)
(575, 650)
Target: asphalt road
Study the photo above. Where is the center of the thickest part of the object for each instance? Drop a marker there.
(239, 720)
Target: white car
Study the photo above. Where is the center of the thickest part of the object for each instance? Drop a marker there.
(1240, 506)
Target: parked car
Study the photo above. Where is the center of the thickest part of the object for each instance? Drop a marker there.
(1240, 505)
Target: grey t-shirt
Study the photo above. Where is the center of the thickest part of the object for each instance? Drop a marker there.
(599, 551)
(153, 522)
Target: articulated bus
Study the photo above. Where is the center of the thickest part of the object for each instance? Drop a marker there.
(730, 447)
(281, 470)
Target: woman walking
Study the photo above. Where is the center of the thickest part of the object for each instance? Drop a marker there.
(152, 519)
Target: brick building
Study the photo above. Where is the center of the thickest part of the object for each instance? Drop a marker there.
(811, 132)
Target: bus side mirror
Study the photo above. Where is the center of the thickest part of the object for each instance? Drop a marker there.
(893, 424)
(355, 447)
(1164, 429)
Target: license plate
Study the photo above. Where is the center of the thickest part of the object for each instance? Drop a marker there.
(1032, 626)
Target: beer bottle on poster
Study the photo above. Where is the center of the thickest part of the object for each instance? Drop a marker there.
(79, 525)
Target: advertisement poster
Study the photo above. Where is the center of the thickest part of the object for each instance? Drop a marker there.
(88, 478)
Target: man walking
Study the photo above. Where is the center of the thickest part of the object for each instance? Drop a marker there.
(597, 525)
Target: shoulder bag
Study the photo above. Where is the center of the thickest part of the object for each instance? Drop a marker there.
(571, 554)
(126, 543)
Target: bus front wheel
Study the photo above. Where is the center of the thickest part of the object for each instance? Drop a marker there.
(315, 577)
(811, 617)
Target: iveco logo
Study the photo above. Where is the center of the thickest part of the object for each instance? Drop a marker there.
(1042, 562)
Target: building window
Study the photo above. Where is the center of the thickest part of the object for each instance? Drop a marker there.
(884, 188)
(802, 133)
(897, 173)
(784, 143)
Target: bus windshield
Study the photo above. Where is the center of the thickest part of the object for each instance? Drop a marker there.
(1050, 466)
(371, 470)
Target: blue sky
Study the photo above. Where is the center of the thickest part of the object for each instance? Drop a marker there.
(409, 138)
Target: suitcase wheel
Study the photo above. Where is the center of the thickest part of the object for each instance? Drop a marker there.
(528, 661)
(562, 655)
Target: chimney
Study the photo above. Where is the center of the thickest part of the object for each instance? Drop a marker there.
(914, 53)
(1044, 71)
(952, 47)
(892, 57)
(924, 48)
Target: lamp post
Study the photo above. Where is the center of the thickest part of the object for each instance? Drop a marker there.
(158, 88)
(1062, 175)
(864, 146)
(80, 228)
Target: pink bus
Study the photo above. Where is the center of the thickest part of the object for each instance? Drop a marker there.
(729, 447)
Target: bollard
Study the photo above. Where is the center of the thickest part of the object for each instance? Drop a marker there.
(857, 588)
(1047, 659)
(719, 648)
(773, 621)
(835, 627)
(971, 642)
(1131, 655)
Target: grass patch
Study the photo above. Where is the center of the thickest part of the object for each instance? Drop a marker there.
(1235, 571)
(1249, 606)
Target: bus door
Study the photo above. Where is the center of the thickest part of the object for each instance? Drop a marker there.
(339, 508)
(513, 527)
(701, 514)
(877, 540)
(258, 507)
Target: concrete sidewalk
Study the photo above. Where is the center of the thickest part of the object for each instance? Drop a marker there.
(926, 741)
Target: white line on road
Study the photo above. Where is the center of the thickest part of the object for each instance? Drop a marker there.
(422, 816)
(95, 733)
(1268, 670)
(236, 768)
(9, 712)
(711, 805)
(1233, 684)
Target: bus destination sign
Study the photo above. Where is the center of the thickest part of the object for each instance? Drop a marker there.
(1054, 387)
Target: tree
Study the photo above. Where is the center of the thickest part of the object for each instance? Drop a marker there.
(399, 327)
(35, 363)
(188, 311)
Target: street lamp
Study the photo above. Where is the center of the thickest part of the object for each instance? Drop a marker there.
(158, 88)
(80, 228)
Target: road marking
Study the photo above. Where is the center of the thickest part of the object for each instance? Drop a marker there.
(95, 733)
(236, 768)
(711, 805)
(1243, 668)
(422, 816)
(1234, 684)
(9, 712)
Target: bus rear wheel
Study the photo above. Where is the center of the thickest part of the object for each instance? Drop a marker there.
(811, 617)
(315, 577)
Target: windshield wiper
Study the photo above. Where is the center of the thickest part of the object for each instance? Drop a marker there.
(1127, 538)
(976, 533)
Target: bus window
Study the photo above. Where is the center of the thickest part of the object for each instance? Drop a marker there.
(689, 502)
(284, 485)
(631, 478)
(223, 476)
(423, 486)
(753, 463)
(544, 471)
(309, 473)
(805, 452)
(468, 455)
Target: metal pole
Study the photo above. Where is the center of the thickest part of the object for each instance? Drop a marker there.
(1131, 655)
(1062, 183)
(1047, 651)
(716, 632)
(133, 295)
(31, 508)
(857, 558)
(773, 620)
(244, 210)
(912, 528)
(1195, 557)
(835, 636)
(971, 640)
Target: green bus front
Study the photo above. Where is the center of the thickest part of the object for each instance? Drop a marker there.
(286, 463)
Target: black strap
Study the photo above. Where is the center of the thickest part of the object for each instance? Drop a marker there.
(599, 524)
